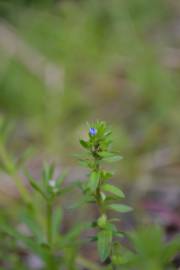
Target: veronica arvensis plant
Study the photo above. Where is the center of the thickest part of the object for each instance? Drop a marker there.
(98, 190)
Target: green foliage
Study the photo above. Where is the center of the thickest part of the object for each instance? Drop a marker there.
(151, 249)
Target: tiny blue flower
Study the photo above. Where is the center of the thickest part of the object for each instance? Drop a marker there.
(92, 131)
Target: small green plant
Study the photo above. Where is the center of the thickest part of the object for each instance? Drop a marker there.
(98, 190)
(42, 219)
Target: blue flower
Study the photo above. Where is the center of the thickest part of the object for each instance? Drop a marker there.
(92, 131)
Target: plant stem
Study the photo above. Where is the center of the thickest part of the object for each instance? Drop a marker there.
(98, 190)
(49, 212)
(49, 223)
(99, 200)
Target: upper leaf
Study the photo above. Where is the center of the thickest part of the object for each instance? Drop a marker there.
(109, 157)
(84, 144)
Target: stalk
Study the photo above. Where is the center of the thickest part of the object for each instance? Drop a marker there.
(49, 223)
(49, 235)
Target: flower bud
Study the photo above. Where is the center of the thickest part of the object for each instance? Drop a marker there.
(102, 221)
(52, 183)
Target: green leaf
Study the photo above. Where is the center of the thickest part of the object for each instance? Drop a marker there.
(122, 208)
(61, 178)
(110, 157)
(94, 181)
(36, 187)
(84, 144)
(32, 225)
(104, 244)
(10, 231)
(106, 175)
(114, 190)
(48, 172)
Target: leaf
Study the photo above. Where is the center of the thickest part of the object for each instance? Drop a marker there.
(94, 181)
(107, 133)
(84, 144)
(61, 178)
(110, 157)
(36, 187)
(114, 190)
(10, 231)
(33, 226)
(106, 175)
(122, 208)
(104, 244)
(48, 172)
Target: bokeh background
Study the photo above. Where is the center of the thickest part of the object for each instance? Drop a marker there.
(63, 63)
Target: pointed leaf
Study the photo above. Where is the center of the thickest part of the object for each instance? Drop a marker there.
(84, 144)
(36, 187)
(48, 172)
(93, 181)
(114, 190)
(122, 208)
(104, 244)
(61, 178)
(110, 157)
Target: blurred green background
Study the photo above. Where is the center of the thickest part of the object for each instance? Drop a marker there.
(67, 62)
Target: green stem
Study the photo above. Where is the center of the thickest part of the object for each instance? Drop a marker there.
(99, 201)
(49, 213)
(49, 223)
(98, 190)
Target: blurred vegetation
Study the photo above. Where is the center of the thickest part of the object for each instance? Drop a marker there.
(113, 69)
